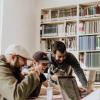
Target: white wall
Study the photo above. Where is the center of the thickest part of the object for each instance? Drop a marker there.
(1, 21)
(21, 24)
(58, 3)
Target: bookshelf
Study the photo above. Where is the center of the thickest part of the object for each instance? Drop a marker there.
(78, 26)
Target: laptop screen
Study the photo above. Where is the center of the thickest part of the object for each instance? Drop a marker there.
(69, 88)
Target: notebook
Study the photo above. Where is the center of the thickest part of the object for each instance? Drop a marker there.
(69, 88)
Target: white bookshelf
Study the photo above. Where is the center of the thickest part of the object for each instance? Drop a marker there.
(78, 26)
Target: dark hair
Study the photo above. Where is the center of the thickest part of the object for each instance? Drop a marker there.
(60, 46)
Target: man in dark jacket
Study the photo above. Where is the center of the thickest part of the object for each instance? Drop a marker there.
(64, 62)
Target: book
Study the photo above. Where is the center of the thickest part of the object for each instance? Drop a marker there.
(89, 10)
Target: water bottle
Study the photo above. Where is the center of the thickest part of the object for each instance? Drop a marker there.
(49, 88)
(49, 93)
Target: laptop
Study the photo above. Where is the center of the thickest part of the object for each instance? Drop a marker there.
(69, 88)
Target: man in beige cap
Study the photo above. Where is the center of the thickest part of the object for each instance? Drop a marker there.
(12, 85)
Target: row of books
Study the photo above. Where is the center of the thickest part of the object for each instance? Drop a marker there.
(59, 29)
(93, 59)
(67, 12)
(89, 27)
(50, 29)
(53, 29)
(97, 42)
(46, 45)
(89, 42)
(71, 43)
(97, 76)
(89, 10)
(71, 28)
(85, 43)
(64, 12)
(56, 13)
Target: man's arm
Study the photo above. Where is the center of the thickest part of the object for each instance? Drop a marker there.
(78, 71)
(11, 89)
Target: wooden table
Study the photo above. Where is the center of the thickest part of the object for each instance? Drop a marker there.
(55, 97)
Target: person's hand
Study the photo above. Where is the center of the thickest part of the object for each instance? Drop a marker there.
(34, 69)
(25, 71)
(37, 70)
(55, 77)
(34, 72)
(84, 91)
